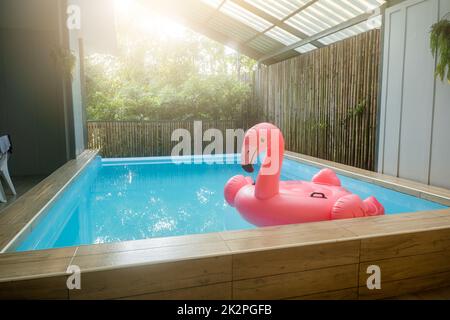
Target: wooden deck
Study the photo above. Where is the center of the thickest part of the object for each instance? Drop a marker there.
(323, 260)
(22, 186)
(435, 294)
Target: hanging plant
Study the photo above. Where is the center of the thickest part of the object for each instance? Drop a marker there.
(65, 59)
(440, 47)
(357, 111)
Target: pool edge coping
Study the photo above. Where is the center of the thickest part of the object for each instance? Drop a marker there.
(91, 155)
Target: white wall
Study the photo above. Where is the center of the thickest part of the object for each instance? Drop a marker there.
(98, 35)
(414, 136)
(77, 98)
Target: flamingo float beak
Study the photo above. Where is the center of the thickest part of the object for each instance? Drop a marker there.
(247, 162)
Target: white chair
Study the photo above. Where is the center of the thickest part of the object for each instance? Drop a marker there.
(2, 194)
(4, 172)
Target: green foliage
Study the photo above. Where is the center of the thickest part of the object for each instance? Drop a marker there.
(440, 47)
(156, 79)
(65, 59)
(319, 125)
(359, 109)
(356, 112)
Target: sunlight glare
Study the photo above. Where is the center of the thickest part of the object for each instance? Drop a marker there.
(229, 51)
(133, 13)
(123, 6)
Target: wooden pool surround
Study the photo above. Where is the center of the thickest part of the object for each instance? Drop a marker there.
(323, 260)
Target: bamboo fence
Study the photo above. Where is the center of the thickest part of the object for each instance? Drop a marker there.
(325, 101)
(116, 139)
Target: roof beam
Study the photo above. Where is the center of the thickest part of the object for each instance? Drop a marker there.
(276, 22)
(323, 34)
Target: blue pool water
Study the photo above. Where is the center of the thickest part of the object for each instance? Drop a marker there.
(129, 199)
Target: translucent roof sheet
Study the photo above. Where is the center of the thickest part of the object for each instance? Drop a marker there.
(352, 31)
(265, 44)
(213, 3)
(284, 23)
(239, 13)
(282, 36)
(306, 48)
(325, 14)
(278, 8)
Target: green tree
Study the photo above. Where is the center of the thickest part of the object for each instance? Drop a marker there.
(153, 78)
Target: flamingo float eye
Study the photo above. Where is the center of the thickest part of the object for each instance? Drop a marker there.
(248, 168)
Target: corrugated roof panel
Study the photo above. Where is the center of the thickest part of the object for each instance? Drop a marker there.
(278, 8)
(227, 25)
(306, 48)
(311, 20)
(213, 3)
(241, 14)
(366, 5)
(325, 14)
(302, 25)
(241, 25)
(282, 36)
(373, 23)
(265, 44)
(330, 11)
(347, 10)
(198, 12)
(233, 33)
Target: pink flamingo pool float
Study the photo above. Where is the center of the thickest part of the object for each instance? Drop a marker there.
(269, 201)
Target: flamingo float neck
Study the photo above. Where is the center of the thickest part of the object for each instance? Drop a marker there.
(264, 137)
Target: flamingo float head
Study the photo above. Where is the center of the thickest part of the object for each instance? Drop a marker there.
(263, 137)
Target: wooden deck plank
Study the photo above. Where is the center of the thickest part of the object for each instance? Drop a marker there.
(22, 185)
(302, 258)
(288, 240)
(405, 244)
(219, 291)
(402, 287)
(434, 294)
(408, 267)
(345, 294)
(50, 288)
(396, 224)
(140, 280)
(312, 232)
(156, 255)
(7, 232)
(36, 255)
(144, 244)
(297, 284)
(33, 269)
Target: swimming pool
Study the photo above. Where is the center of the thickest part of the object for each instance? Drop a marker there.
(116, 200)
